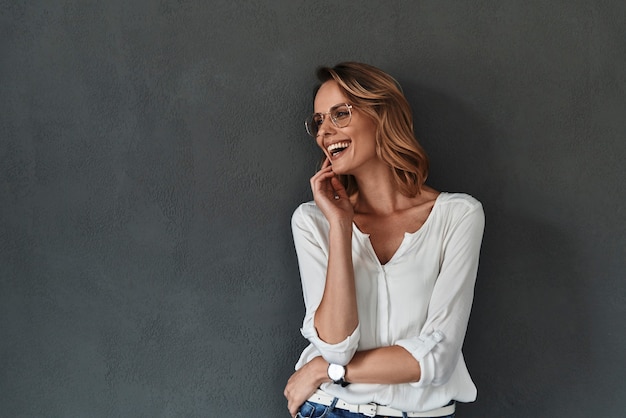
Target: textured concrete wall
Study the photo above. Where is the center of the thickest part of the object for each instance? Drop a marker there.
(152, 153)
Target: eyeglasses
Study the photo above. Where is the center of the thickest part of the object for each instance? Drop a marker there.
(340, 116)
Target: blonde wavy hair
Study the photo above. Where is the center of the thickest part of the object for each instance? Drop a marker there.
(379, 96)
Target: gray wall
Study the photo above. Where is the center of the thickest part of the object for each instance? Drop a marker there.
(152, 154)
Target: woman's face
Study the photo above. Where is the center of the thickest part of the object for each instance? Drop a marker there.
(349, 149)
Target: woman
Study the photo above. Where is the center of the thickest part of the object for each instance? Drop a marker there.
(388, 264)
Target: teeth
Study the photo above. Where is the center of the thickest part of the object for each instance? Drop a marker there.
(338, 145)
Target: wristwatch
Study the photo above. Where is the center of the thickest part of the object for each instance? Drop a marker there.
(336, 373)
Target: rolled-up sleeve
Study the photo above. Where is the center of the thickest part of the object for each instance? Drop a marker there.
(310, 235)
(438, 346)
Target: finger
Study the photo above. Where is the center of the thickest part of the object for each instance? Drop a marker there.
(326, 163)
(324, 169)
(323, 172)
(323, 175)
(338, 188)
(321, 180)
(293, 411)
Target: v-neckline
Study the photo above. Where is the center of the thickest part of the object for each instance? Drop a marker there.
(407, 235)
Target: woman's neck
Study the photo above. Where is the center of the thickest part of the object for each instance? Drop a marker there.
(378, 193)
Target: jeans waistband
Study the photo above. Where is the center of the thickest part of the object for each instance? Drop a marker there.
(373, 409)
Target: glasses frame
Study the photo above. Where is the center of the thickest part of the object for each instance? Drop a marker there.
(308, 123)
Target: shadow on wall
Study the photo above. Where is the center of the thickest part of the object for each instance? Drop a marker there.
(459, 142)
(529, 333)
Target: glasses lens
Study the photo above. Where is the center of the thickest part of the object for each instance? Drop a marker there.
(313, 123)
(341, 115)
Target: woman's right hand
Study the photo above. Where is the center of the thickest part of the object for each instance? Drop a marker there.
(336, 316)
(330, 195)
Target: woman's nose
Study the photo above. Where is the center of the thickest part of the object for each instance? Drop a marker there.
(326, 128)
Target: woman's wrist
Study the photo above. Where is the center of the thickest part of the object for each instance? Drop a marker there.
(321, 370)
(341, 225)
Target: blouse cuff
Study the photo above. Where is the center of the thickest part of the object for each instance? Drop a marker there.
(421, 348)
(340, 353)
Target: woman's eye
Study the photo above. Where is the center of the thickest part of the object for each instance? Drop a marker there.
(340, 114)
(318, 121)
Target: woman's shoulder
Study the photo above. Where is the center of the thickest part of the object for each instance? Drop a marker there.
(459, 204)
(458, 199)
(308, 213)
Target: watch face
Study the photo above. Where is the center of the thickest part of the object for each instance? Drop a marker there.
(336, 372)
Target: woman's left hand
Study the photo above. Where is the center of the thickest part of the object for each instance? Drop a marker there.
(304, 382)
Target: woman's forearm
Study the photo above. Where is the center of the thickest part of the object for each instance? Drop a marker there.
(336, 317)
(385, 365)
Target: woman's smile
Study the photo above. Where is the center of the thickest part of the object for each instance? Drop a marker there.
(336, 148)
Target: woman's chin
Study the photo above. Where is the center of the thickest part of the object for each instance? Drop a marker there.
(339, 171)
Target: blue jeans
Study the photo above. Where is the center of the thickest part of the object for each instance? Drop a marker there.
(316, 410)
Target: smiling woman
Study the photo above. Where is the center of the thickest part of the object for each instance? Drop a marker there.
(388, 264)
(379, 96)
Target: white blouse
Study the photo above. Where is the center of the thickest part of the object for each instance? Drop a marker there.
(420, 300)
